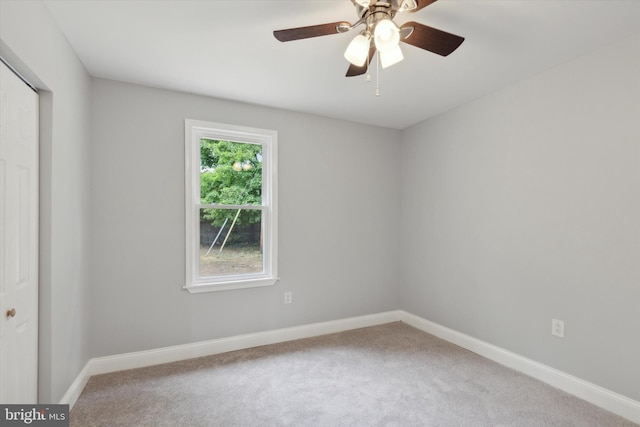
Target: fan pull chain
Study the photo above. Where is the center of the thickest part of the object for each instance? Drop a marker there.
(377, 74)
(368, 79)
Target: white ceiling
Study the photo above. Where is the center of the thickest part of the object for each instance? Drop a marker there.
(225, 49)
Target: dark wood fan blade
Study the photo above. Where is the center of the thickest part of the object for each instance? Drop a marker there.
(308, 32)
(422, 4)
(354, 70)
(432, 39)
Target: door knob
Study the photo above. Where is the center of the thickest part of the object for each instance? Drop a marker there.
(11, 313)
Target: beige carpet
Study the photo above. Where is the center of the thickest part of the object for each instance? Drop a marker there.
(389, 375)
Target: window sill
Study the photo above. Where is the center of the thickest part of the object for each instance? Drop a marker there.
(197, 288)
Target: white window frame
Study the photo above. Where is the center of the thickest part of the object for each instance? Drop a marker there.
(195, 130)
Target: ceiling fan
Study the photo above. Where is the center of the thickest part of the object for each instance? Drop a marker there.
(380, 34)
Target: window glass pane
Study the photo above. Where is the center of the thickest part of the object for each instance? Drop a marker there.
(230, 172)
(230, 242)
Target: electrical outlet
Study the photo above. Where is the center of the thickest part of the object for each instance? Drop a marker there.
(288, 298)
(557, 328)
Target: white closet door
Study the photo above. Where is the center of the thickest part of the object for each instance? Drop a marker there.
(18, 240)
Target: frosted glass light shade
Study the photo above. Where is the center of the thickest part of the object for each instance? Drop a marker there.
(358, 50)
(390, 56)
(386, 35)
(363, 3)
(408, 5)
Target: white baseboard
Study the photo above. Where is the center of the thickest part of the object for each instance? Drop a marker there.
(76, 387)
(140, 359)
(599, 396)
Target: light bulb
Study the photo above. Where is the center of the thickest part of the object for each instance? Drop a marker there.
(363, 3)
(390, 56)
(358, 50)
(386, 35)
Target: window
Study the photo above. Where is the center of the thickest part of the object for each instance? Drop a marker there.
(230, 206)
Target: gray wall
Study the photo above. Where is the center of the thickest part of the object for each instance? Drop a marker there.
(337, 176)
(32, 43)
(525, 206)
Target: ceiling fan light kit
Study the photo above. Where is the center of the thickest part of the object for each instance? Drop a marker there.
(386, 35)
(358, 50)
(391, 56)
(363, 3)
(381, 34)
